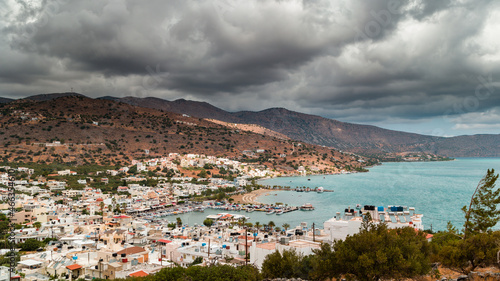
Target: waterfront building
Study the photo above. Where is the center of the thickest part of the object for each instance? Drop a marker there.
(341, 226)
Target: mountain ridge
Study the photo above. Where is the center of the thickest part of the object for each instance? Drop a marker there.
(357, 138)
(81, 130)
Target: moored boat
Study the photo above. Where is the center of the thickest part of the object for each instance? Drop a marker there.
(307, 207)
(270, 212)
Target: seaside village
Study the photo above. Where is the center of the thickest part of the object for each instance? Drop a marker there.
(132, 233)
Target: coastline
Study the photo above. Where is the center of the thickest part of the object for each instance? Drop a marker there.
(252, 197)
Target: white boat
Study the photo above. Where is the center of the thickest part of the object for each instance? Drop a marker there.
(307, 207)
(320, 189)
(279, 212)
(270, 212)
(199, 209)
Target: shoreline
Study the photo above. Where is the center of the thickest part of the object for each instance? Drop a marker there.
(251, 197)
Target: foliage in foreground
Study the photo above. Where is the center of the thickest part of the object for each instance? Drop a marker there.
(478, 245)
(288, 264)
(379, 253)
(373, 254)
(199, 273)
(482, 213)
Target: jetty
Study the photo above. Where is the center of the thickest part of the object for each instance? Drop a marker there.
(299, 189)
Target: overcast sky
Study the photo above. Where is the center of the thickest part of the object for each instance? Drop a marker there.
(430, 67)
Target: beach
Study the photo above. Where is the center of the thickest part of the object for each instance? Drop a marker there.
(250, 198)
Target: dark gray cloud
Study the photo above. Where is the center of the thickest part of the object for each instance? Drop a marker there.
(362, 61)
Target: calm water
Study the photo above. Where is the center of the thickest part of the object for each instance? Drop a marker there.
(438, 190)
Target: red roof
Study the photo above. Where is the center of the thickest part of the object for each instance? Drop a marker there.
(131, 250)
(73, 266)
(140, 273)
(242, 237)
(164, 241)
(99, 200)
(121, 217)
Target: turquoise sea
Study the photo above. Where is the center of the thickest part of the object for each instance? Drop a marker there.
(438, 190)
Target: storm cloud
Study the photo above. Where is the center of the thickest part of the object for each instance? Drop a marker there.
(377, 62)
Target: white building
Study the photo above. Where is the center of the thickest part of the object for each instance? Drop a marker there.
(340, 226)
(259, 251)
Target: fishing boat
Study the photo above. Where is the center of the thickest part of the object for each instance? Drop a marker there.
(307, 207)
(199, 209)
(270, 212)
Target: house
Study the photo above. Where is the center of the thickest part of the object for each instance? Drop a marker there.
(122, 189)
(133, 253)
(22, 217)
(56, 185)
(75, 270)
(112, 172)
(66, 173)
(139, 273)
(72, 193)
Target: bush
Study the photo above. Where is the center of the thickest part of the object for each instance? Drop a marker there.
(31, 245)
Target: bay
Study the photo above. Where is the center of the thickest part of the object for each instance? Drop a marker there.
(438, 190)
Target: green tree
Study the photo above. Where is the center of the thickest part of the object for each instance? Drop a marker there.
(271, 224)
(242, 221)
(482, 213)
(4, 225)
(467, 254)
(199, 273)
(379, 253)
(37, 224)
(257, 225)
(286, 265)
(286, 226)
(132, 170)
(179, 221)
(197, 260)
(30, 245)
(203, 174)
(5, 259)
(323, 263)
(208, 222)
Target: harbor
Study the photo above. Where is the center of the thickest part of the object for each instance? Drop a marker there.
(384, 185)
(268, 209)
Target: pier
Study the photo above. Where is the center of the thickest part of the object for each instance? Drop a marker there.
(299, 189)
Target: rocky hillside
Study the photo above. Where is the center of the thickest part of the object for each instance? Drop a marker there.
(76, 129)
(363, 139)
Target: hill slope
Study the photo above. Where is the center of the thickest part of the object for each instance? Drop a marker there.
(80, 130)
(5, 100)
(357, 138)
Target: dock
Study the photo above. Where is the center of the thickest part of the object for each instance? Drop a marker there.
(299, 189)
